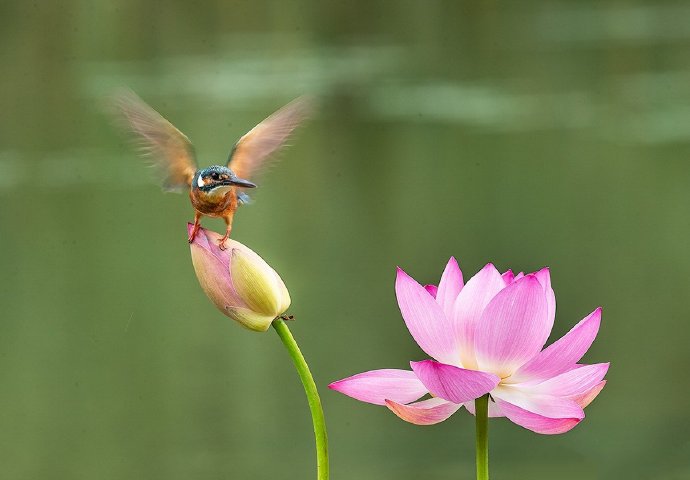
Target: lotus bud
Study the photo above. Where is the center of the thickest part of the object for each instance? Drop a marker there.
(238, 281)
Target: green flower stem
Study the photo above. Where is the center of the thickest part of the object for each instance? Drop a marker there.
(312, 397)
(481, 406)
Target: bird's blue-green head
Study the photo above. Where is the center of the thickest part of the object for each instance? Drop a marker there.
(216, 180)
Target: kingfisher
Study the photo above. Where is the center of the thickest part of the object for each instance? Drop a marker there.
(218, 190)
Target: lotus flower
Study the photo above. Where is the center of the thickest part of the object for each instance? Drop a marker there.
(238, 281)
(486, 336)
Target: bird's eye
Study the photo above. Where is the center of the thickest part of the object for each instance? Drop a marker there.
(214, 176)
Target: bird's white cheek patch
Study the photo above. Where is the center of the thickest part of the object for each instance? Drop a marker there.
(200, 182)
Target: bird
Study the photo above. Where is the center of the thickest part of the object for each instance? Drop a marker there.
(218, 190)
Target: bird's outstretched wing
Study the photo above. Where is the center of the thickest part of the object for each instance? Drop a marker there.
(252, 152)
(169, 150)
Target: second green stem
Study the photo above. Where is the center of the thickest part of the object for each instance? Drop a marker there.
(481, 406)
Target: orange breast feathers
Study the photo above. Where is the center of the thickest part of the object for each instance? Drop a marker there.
(214, 205)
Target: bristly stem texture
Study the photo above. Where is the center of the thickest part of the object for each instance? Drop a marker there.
(481, 406)
(312, 397)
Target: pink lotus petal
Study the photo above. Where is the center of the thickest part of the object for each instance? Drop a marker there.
(376, 386)
(449, 287)
(544, 277)
(426, 412)
(534, 422)
(563, 354)
(494, 410)
(508, 277)
(573, 382)
(451, 383)
(208, 241)
(432, 289)
(545, 405)
(512, 328)
(586, 398)
(470, 304)
(425, 319)
(212, 266)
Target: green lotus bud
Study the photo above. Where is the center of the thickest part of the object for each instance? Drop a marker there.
(238, 281)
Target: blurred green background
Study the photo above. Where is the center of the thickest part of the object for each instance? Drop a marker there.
(522, 133)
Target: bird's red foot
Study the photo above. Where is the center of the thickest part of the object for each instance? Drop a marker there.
(221, 242)
(192, 235)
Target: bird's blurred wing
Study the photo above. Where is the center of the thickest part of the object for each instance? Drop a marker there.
(252, 153)
(168, 149)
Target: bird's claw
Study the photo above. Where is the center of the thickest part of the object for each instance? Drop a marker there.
(221, 243)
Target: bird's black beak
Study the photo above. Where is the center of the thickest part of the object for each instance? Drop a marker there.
(239, 182)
